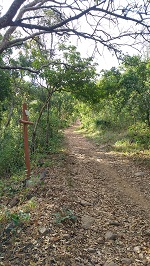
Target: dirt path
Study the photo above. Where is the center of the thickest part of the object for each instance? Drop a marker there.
(117, 174)
(123, 178)
(110, 197)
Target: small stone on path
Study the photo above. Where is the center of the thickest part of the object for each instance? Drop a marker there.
(147, 232)
(110, 236)
(85, 203)
(42, 230)
(137, 249)
(126, 261)
(115, 223)
(110, 264)
(138, 174)
(43, 175)
(87, 221)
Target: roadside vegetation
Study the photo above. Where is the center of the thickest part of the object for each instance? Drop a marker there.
(131, 140)
(113, 108)
(40, 67)
(121, 119)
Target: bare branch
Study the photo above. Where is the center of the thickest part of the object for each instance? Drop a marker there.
(100, 21)
(50, 29)
(18, 23)
(19, 68)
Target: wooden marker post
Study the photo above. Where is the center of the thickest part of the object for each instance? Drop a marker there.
(25, 123)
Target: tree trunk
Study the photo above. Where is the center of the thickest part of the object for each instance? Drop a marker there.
(47, 124)
(148, 118)
(10, 115)
(12, 11)
(37, 122)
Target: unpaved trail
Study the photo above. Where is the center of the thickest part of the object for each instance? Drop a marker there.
(118, 174)
(107, 193)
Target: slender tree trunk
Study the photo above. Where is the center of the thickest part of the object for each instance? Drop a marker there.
(38, 120)
(10, 115)
(148, 118)
(48, 124)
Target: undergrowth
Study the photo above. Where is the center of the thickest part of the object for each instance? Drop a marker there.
(14, 186)
(133, 140)
(65, 215)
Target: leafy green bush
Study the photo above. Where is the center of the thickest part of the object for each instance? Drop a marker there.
(12, 154)
(102, 123)
(140, 134)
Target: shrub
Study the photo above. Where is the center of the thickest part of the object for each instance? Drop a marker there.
(102, 123)
(140, 134)
(12, 154)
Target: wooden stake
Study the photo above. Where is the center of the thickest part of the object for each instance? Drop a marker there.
(25, 131)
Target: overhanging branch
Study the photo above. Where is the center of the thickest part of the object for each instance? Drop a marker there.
(19, 68)
(50, 29)
(12, 11)
(32, 16)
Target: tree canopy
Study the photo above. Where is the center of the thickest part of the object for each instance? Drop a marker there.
(128, 87)
(107, 22)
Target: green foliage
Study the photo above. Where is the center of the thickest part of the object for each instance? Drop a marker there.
(5, 90)
(102, 123)
(119, 99)
(63, 106)
(17, 217)
(116, 131)
(29, 205)
(109, 83)
(13, 186)
(5, 83)
(55, 136)
(11, 221)
(131, 61)
(12, 154)
(136, 81)
(71, 73)
(128, 88)
(122, 134)
(139, 134)
(65, 215)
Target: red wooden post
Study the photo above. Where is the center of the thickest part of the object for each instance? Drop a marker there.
(25, 122)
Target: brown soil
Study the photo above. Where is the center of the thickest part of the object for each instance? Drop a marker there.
(108, 194)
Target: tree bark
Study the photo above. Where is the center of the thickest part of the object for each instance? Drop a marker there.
(12, 11)
(10, 115)
(48, 124)
(37, 122)
(148, 118)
